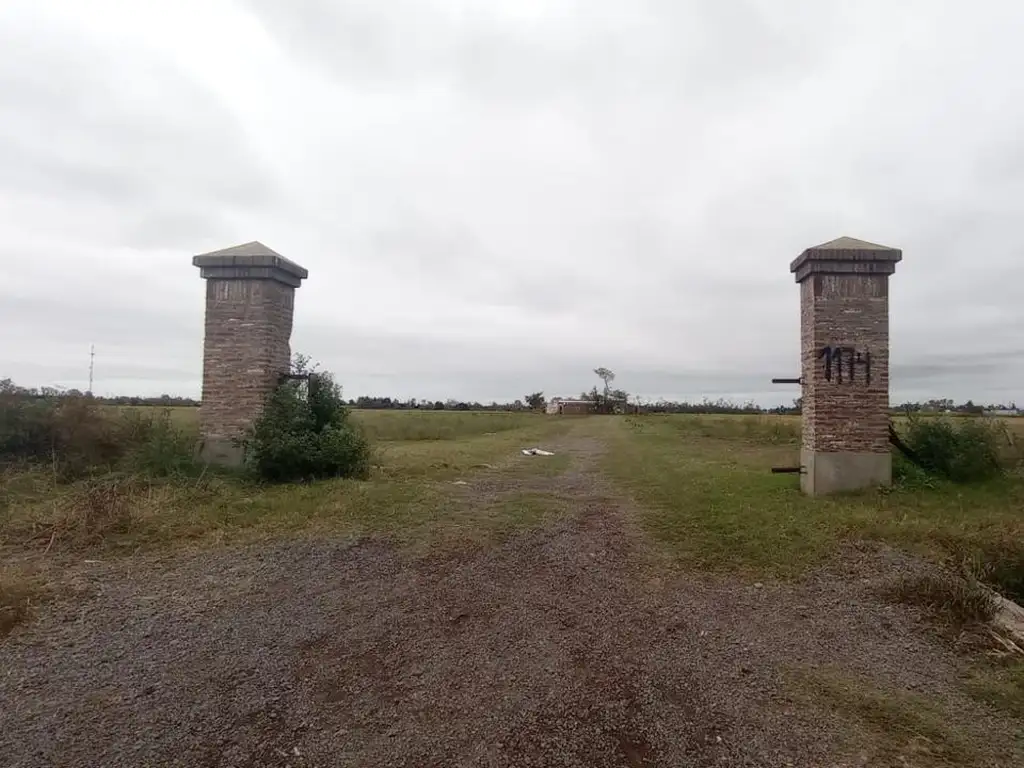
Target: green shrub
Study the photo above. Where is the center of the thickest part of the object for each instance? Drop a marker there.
(26, 427)
(305, 432)
(78, 437)
(70, 433)
(154, 445)
(962, 450)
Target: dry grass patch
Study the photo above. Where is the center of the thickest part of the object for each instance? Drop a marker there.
(953, 597)
(20, 592)
(107, 512)
(98, 510)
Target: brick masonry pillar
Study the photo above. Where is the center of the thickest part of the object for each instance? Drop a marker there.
(844, 339)
(250, 294)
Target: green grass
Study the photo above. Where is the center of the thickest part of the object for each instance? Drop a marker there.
(528, 510)
(706, 492)
(184, 416)
(702, 482)
(771, 430)
(491, 522)
(899, 727)
(1000, 684)
(416, 456)
(703, 490)
(440, 425)
(389, 425)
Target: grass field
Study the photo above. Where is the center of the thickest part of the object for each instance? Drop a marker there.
(416, 457)
(707, 493)
(702, 482)
(699, 488)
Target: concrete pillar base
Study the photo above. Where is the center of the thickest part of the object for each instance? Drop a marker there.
(222, 451)
(826, 472)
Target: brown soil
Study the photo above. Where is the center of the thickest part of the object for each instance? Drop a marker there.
(570, 645)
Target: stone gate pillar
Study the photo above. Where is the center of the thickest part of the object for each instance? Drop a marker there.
(844, 337)
(250, 293)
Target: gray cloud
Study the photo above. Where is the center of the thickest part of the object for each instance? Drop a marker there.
(121, 133)
(577, 51)
(494, 198)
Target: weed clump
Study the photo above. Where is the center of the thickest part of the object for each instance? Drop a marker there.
(305, 432)
(1004, 568)
(995, 559)
(97, 510)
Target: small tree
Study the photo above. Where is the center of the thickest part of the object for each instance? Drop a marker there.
(607, 376)
(536, 401)
(305, 432)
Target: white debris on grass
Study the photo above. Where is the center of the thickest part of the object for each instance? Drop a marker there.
(536, 452)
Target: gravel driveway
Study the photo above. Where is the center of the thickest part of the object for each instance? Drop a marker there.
(567, 646)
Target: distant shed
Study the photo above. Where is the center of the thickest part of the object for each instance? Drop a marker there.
(577, 407)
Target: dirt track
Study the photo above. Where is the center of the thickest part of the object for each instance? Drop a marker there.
(567, 646)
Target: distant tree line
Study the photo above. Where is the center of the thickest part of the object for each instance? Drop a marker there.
(709, 406)
(8, 387)
(609, 401)
(414, 404)
(948, 406)
(616, 398)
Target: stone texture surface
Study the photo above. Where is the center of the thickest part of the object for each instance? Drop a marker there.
(247, 344)
(844, 329)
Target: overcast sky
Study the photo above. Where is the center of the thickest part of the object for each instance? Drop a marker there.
(497, 197)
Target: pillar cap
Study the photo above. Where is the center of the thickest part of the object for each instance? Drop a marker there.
(249, 261)
(844, 256)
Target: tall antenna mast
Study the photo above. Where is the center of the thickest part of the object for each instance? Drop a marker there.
(92, 362)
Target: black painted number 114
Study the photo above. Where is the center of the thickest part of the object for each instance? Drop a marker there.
(842, 364)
